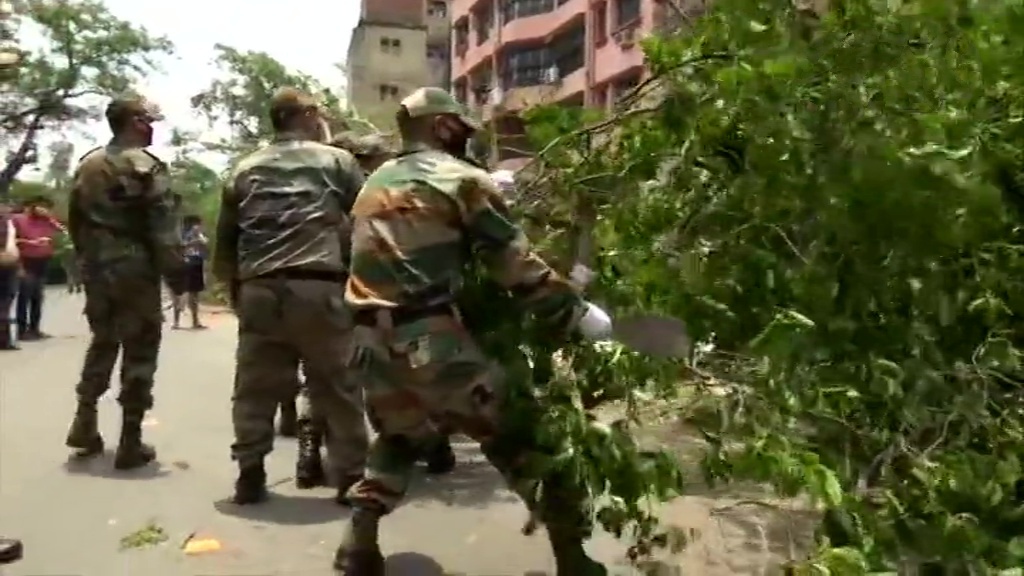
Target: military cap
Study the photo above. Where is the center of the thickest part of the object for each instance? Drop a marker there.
(362, 145)
(290, 101)
(429, 101)
(128, 106)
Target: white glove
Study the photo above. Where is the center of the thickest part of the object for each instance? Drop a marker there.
(595, 324)
(581, 275)
(505, 180)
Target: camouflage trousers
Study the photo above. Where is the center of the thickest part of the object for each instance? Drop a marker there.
(432, 371)
(282, 323)
(123, 311)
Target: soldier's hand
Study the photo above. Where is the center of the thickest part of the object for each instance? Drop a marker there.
(594, 323)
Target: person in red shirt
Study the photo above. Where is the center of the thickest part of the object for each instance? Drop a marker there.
(36, 229)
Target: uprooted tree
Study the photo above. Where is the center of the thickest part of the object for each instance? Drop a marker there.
(834, 201)
(87, 52)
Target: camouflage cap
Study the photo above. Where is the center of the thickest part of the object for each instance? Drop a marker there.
(128, 106)
(362, 145)
(290, 101)
(429, 101)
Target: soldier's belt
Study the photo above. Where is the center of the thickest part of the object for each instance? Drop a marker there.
(301, 274)
(388, 318)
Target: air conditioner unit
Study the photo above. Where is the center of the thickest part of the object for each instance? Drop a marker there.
(551, 75)
(626, 37)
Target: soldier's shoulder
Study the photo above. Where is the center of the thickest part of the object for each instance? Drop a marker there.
(135, 159)
(449, 173)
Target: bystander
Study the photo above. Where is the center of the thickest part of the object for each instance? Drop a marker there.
(9, 271)
(36, 229)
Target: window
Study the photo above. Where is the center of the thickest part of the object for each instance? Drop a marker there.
(483, 21)
(567, 51)
(526, 67)
(601, 23)
(627, 12)
(388, 91)
(624, 86)
(437, 9)
(461, 35)
(436, 53)
(512, 9)
(461, 92)
(391, 45)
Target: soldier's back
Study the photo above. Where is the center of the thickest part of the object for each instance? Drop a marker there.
(408, 245)
(113, 184)
(291, 198)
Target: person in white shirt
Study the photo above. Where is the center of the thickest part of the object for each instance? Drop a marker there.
(10, 264)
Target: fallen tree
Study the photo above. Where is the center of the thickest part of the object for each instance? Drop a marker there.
(833, 201)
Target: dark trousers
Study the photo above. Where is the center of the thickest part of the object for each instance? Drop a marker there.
(8, 292)
(30, 294)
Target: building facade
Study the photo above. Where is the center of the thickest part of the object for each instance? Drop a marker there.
(508, 55)
(397, 46)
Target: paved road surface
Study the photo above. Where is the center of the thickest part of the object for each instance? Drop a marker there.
(72, 518)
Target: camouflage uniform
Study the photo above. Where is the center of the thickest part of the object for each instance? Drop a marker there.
(282, 246)
(416, 223)
(121, 226)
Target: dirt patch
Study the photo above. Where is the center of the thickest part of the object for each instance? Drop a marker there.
(735, 530)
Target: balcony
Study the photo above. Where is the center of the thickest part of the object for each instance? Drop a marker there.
(474, 56)
(620, 54)
(544, 26)
(516, 99)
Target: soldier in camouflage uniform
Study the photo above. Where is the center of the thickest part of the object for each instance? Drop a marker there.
(412, 224)
(282, 247)
(122, 229)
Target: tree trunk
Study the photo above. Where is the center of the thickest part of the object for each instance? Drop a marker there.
(21, 157)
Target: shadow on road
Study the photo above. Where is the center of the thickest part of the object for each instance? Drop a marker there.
(412, 564)
(474, 483)
(102, 466)
(286, 510)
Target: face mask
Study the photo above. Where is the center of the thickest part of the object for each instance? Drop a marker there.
(454, 141)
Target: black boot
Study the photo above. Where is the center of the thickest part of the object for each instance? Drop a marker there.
(251, 485)
(359, 553)
(309, 469)
(440, 457)
(287, 426)
(10, 550)
(84, 435)
(5, 336)
(131, 451)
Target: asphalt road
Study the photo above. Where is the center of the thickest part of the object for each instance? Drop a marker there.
(73, 518)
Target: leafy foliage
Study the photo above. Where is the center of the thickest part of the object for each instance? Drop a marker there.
(87, 52)
(238, 99)
(833, 201)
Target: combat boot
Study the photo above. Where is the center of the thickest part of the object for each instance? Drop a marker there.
(84, 435)
(571, 557)
(440, 457)
(309, 469)
(359, 552)
(11, 550)
(131, 451)
(251, 485)
(288, 425)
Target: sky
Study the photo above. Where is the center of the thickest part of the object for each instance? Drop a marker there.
(310, 36)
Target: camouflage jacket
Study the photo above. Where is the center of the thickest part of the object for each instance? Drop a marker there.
(286, 206)
(119, 212)
(419, 221)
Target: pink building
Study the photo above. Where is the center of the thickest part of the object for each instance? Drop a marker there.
(510, 54)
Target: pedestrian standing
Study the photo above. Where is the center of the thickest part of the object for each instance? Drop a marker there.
(36, 229)
(412, 224)
(122, 227)
(282, 249)
(193, 281)
(10, 270)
